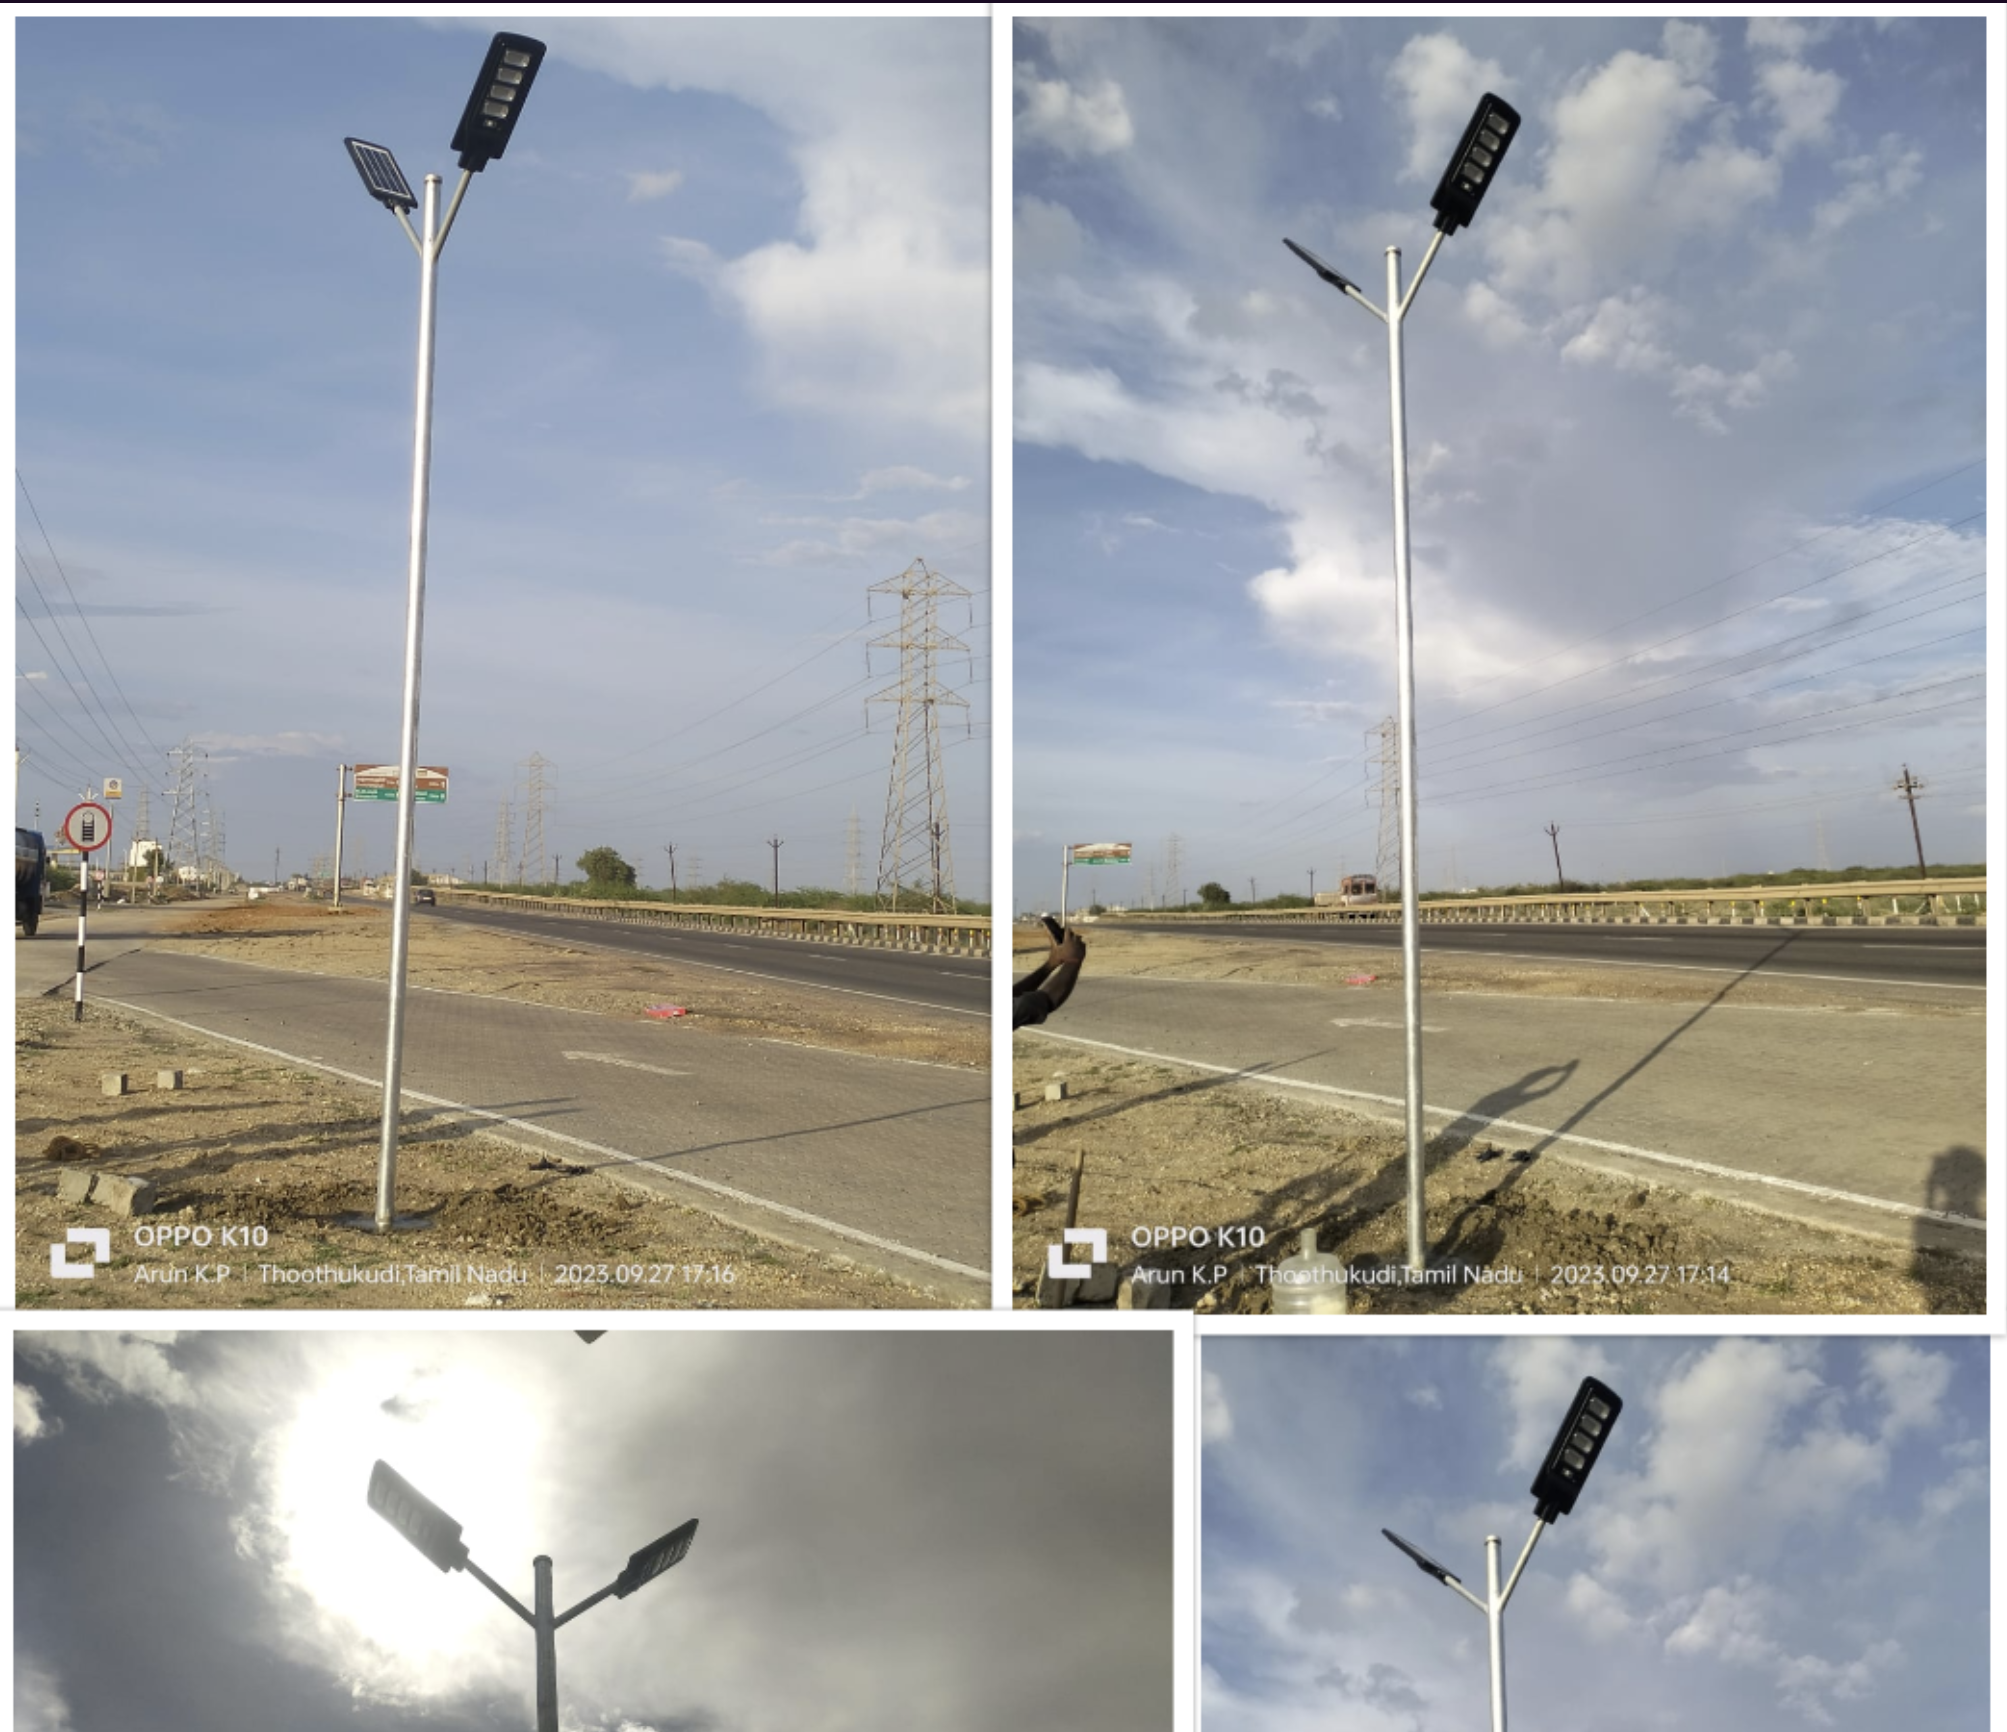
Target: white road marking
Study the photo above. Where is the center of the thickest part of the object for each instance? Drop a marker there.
(1380, 1022)
(1824, 1192)
(820, 1222)
(625, 1063)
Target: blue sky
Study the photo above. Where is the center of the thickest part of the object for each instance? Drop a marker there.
(1780, 1533)
(1696, 432)
(712, 360)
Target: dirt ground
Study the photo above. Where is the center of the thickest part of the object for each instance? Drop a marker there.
(252, 1149)
(1166, 1149)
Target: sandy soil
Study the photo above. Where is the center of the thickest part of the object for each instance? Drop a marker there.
(250, 1146)
(1166, 1149)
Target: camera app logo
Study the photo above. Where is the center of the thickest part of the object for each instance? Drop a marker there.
(1060, 1270)
(99, 1240)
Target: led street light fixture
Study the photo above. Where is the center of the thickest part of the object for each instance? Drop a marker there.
(499, 94)
(1429, 1566)
(416, 1517)
(1337, 281)
(1575, 1448)
(381, 175)
(1468, 178)
(652, 1559)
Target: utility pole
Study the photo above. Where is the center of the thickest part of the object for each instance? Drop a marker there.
(853, 873)
(1554, 836)
(504, 826)
(1313, 885)
(915, 838)
(670, 849)
(774, 842)
(1250, 891)
(1909, 787)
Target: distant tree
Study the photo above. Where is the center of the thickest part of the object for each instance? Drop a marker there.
(1215, 895)
(605, 870)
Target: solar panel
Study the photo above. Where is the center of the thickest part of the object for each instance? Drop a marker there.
(381, 175)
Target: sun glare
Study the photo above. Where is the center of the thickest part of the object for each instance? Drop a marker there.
(468, 1439)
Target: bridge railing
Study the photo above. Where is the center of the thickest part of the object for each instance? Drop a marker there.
(937, 934)
(1907, 902)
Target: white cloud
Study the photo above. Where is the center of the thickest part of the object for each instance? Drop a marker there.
(932, 537)
(878, 307)
(1599, 1611)
(39, 1705)
(1691, 47)
(1541, 1374)
(1215, 1416)
(1802, 98)
(1732, 1624)
(1047, 237)
(1497, 319)
(224, 748)
(644, 184)
(101, 1366)
(1072, 121)
(29, 1420)
(1438, 81)
(1911, 1381)
(1874, 181)
(903, 478)
(1426, 1395)
(1325, 108)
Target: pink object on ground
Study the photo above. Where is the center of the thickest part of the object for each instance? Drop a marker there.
(665, 1011)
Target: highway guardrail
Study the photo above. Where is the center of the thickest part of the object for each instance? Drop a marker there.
(1908, 902)
(936, 934)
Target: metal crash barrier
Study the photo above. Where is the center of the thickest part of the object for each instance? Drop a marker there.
(935, 934)
(1910, 902)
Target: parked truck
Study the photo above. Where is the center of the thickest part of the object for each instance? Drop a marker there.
(31, 875)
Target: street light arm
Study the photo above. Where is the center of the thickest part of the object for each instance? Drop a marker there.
(584, 1605)
(1422, 270)
(1452, 1582)
(1532, 1540)
(417, 246)
(466, 179)
(501, 1593)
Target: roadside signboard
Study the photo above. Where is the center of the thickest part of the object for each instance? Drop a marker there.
(379, 782)
(1100, 853)
(114, 788)
(88, 827)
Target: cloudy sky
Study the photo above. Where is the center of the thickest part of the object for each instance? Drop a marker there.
(713, 359)
(883, 1519)
(1779, 1534)
(1696, 431)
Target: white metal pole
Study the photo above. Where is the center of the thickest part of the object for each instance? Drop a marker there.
(340, 812)
(407, 761)
(546, 1628)
(1065, 866)
(1495, 1617)
(1404, 645)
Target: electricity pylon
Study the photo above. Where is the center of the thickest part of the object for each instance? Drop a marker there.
(1387, 850)
(915, 847)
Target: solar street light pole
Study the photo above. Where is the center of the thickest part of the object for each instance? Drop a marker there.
(436, 1535)
(507, 72)
(1457, 196)
(1574, 1451)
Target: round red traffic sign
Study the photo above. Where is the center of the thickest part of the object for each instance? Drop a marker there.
(87, 828)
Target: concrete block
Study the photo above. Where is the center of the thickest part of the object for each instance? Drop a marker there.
(112, 1082)
(123, 1195)
(1056, 1089)
(167, 1079)
(74, 1185)
(1143, 1295)
(1100, 1287)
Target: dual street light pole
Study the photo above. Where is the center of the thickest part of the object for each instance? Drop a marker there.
(483, 134)
(1569, 1458)
(1463, 186)
(437, 1535)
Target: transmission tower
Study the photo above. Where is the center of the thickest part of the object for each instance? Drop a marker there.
(1387, 790)
(504, 829)
(533, 818)
(183, 846)
(915, 848)
(1174, 850)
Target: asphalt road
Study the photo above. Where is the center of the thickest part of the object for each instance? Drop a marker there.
(957, 984)
(884, 1161)
(1859, 1116)
(1937, 955)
